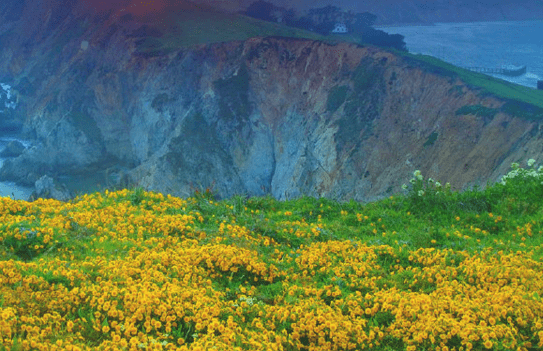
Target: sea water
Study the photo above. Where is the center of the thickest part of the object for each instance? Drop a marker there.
(481, 44)
(10, 189)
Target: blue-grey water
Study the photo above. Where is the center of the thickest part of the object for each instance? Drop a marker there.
(10, 189)
(481, 44)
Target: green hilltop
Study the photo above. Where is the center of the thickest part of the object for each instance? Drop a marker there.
(186, 29)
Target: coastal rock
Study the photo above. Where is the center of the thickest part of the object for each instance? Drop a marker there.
(48, 188)
(13, 149)
(280, 116)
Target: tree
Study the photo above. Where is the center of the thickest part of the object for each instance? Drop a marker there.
(304, 23)
(290, 17)
(325, 28)
(325, 18)
(262, 10)
(365, 19)
(325, 14)
(380, 38)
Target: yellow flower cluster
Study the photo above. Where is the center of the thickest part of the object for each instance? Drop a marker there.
(128, 271)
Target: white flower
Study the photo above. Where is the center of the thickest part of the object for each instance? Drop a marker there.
(418, 174)
(404, 187)
(421, 192)
(514, 165)
(431, 180)
(438, 185)
(531, 162)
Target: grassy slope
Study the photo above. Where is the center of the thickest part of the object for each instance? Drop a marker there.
(113, 269)
(487, 83)
(185, 29)
(189, 28)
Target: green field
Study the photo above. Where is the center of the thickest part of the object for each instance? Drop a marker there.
(430, 269)
(190, 28)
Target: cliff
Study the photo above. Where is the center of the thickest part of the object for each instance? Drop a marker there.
(274, 115)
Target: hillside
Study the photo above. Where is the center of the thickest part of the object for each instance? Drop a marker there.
(135, 269)
(180, 100)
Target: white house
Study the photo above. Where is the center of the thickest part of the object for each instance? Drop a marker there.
(278, 15)
(340, 28)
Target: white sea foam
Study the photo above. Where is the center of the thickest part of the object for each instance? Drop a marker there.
(7, 90)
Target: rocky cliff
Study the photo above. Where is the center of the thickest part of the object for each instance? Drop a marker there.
(270, 115)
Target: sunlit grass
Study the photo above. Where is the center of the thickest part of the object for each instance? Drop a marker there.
(431, 269)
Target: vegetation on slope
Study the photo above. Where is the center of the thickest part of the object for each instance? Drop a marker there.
(190, 28)
(430, 270)
(521, 101)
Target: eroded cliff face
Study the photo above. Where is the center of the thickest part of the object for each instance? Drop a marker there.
(276, 116)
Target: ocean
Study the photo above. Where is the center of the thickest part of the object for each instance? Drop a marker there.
(481, 44)
(10, 189)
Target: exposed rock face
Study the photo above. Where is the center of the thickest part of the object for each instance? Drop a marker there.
(13, 149)
(266, 116)
(48, 188)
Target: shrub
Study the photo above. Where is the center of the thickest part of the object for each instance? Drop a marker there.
(336, 98)
(477, 110)
(524, 185)
(426, 195)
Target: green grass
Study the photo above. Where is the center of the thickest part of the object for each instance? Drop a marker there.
(486, 84)
(477, 110)
(191, 28)
(379, 265)
(336, 98)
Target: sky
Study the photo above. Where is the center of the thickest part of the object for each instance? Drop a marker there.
(136, 7)
(149, 7)
(383, 7)
(143, 7)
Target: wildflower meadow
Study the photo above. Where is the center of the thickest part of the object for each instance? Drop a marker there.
(428, 269)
